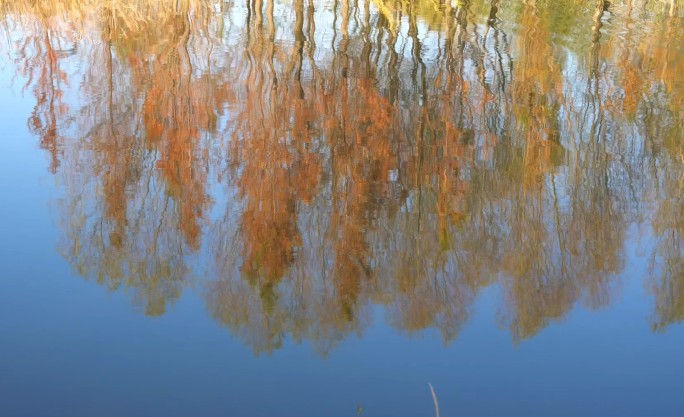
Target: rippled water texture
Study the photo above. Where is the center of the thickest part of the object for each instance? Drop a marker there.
(316, 208)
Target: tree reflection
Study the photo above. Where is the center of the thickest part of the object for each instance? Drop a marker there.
(311, 161)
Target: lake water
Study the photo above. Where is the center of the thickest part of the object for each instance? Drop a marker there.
(319, 208)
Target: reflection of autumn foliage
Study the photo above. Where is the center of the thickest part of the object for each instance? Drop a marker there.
(138, 208)
(668, 284)
(280, 173)
(279, 170)
(402, 157)
(536, 90)
(39, 57)
(667, 261)
(361, 144)
(177, 109)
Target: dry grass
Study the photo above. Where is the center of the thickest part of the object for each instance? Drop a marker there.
(122, 14)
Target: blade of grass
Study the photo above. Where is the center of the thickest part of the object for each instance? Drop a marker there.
(434, 398)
